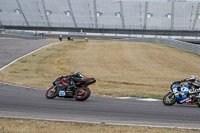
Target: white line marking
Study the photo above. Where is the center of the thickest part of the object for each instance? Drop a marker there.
(109, 123)
(124, 97)
(20, 86)
(148, 99)
(156, 126)
(25, 56)
(140, 99)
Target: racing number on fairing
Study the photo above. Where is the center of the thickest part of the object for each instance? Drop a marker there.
(61, 93)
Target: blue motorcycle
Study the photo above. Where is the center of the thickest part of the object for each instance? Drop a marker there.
(182, 93)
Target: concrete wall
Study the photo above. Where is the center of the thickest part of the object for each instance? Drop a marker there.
(104, 30)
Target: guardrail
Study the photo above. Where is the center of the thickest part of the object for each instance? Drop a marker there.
(193, 48)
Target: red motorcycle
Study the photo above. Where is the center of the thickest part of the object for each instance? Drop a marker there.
(80, 91)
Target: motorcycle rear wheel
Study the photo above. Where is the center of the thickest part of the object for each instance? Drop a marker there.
(82, 94)
(198, 103)
(169, 99)
(52, 92)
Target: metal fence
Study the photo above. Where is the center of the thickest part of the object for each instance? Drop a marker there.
(19, 34)
(193, 48)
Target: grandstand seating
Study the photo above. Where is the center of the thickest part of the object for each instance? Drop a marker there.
(58, 16)
(184, 14)
(34, 12)
(108, 18)
(110, 14)
(8, 14)
(159, 19)
(134, 14)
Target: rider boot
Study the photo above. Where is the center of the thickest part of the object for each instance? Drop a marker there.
(71, 85)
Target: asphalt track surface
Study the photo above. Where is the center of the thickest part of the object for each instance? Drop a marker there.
(30, 103)
(11, 49)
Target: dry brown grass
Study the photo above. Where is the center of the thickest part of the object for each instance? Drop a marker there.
(121, 68)
(32, 126)
(133, 68)
(41, 68)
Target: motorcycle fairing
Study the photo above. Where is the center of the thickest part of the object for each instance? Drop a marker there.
(87, 81)
(64, 83)
(182, 94)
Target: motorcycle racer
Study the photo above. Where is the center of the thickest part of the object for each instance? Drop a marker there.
(193, 81)
(184, 93)
(71, 86)
(71, 79)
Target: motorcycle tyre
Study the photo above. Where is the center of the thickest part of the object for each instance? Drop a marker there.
(83, 98)
(170, 103)
(52, 96)
(198, 103)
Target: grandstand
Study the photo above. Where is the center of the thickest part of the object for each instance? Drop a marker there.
(121, 16)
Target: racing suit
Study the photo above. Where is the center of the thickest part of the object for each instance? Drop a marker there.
(71, 80)
(193, 83)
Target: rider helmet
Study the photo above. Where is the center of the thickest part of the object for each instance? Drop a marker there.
(78, 74)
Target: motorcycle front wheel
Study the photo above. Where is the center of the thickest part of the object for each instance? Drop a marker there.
(82, 94)
(52, 92)
(198, 102)
(169, 99)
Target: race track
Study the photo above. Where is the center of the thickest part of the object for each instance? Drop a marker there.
(11, 49)
(22, 102)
